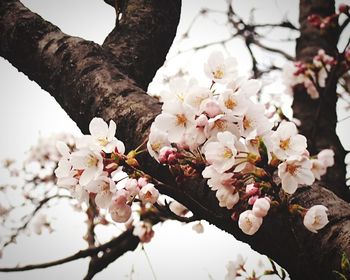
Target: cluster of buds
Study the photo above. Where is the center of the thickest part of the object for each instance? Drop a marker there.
(219, 132)
(312, 75)
(329, 21)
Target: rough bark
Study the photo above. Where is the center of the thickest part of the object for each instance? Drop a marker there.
(86, 81)
(142, 37)
(318, 117)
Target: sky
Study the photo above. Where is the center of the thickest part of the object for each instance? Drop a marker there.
(27, 112)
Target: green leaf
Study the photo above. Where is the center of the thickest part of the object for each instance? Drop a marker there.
(345, 263)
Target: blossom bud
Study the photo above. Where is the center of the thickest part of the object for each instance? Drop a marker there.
(142, 181)
(261, 207)
(314, 20)
(251, 189)
(201, 121)
(316, 218)
(249, 223)
(252, 199)
(343, 8)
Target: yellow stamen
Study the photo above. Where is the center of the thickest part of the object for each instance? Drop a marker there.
(103, 141)
(218, 73)
(92, 161)
(181, 119)
(227, 153)
(230, 104)
(284, 144)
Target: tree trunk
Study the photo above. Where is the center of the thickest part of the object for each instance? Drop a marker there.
(88, 80)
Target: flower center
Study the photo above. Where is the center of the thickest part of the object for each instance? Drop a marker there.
(284, 144)
(103, 141)
(155, 146)
(218, 73)
(291, 169)
(181, 119)
(230, 103)
(228, 153)
(92, 161)
(220, 124)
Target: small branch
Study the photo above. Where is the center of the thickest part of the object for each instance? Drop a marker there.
(271, 49)
(114, 243)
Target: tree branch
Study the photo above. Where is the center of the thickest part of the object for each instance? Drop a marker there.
(142, 38)
(320, 132)
(123, 243)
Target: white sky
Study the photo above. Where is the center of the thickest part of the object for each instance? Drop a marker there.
(26, 112)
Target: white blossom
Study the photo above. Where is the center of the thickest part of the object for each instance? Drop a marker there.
(249, 223)
(102, 137)
(221, 154)
(91, 162)
(294, 171)
(326, 156)
(233, 103)
(233, 268)
(178, 208)
(316, 218)
(149, 194)
(157, 140)
(287, 142)
(220, 69)
(104, 187)
(175, 120)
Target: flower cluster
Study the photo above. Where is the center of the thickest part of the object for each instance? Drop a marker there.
(93, 171)
(312, 75)
(219, 132)
(328, 21)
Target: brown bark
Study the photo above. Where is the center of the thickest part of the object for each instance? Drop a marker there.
(87, 81)
(318, 117)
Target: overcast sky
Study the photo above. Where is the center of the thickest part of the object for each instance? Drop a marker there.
(27, 112)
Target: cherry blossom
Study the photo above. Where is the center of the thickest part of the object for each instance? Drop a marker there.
(102, 137)
(233, 268)
(287, 142)
(90, 162)
(221, 154)
(294, 171)
(316, 218)
(220, 69)
(104, 187)
(149, 194)
(249, 223)
(120, 211)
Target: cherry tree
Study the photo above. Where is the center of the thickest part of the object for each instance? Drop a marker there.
(103, 89)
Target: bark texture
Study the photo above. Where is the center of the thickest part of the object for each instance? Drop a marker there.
(318, 117)
(89, 80)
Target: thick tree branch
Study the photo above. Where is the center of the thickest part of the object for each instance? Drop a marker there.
(143, 36)
(318, 117)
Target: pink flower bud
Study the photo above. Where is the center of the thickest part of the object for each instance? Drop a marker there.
(252, 199)
(314, 20)
(251, 189)
(211, 107)
(201, 121)
(142, 181)
(343, 8)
